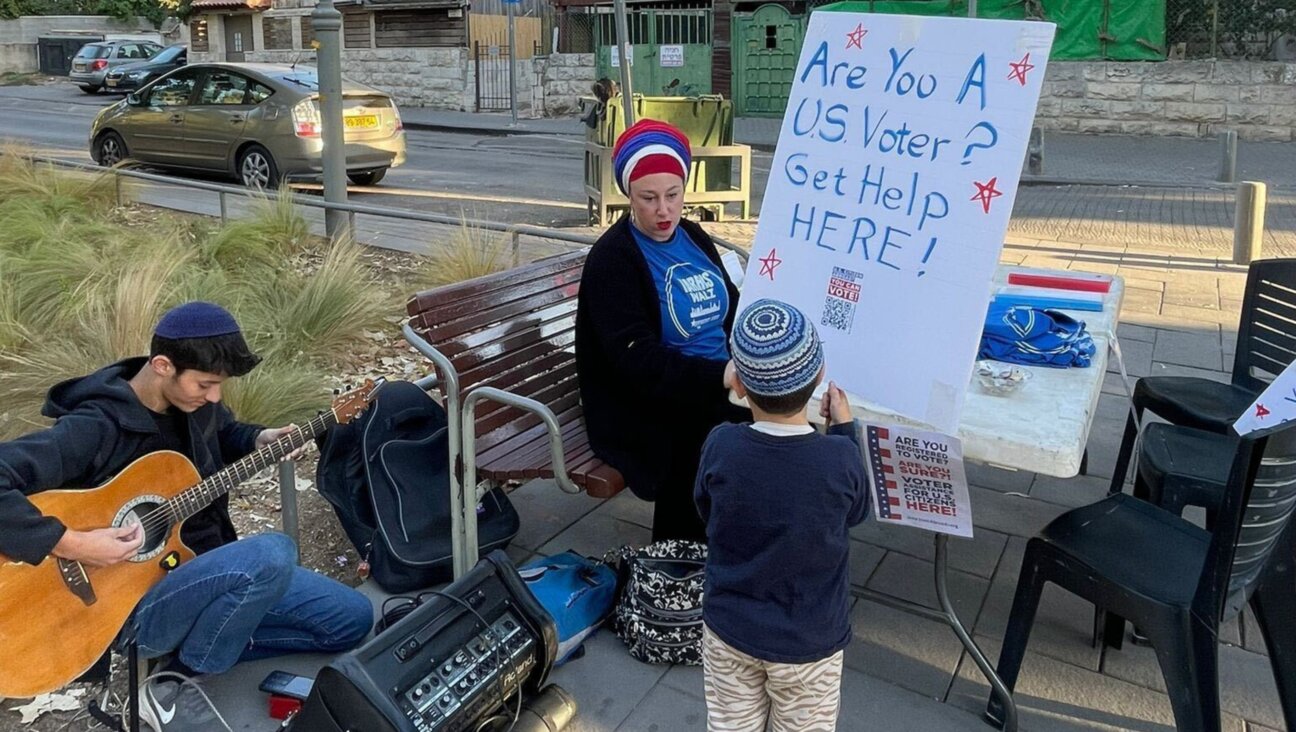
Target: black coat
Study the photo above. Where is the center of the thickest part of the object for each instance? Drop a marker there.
(101, 428)
(645, 404)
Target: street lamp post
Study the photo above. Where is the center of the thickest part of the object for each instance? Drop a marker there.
(327, 23)
(623, 53)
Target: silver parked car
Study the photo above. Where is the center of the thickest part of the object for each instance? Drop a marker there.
(94, 60)
(259, 122)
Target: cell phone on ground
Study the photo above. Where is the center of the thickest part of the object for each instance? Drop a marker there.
(286, 684)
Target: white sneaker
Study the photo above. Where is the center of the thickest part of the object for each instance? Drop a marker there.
(175, 703)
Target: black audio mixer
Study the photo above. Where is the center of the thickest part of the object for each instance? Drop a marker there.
(444, 667)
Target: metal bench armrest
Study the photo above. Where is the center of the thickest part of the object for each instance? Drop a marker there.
(465, 551)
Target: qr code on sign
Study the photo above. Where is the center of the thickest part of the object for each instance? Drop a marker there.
(838, 314)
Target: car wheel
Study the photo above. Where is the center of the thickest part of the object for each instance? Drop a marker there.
(257, 169)
(368, 177)
(89, 89)
(110, 149)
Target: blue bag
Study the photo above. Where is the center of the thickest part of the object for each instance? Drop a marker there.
(578, 593)
(1027, 335)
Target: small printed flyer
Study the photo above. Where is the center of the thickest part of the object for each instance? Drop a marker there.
(918, 479)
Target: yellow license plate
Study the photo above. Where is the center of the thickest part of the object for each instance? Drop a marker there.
(360, 121)
(112, 82)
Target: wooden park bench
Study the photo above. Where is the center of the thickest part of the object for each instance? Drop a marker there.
(510, 338)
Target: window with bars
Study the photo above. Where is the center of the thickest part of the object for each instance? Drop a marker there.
(277, 33)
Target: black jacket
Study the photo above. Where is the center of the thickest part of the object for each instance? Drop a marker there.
(101, 428)
(643, 402)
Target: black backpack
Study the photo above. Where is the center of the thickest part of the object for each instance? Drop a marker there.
(387, 474)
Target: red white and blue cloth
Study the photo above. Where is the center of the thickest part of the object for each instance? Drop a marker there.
(649, 147)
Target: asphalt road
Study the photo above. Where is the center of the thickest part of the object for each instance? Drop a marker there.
(535, 179)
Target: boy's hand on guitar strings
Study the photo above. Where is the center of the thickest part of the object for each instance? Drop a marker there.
(268, 436)
(100, 547)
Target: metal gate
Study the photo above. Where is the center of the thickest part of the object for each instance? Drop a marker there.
(766, 46)
(670, 51)
(492, 62)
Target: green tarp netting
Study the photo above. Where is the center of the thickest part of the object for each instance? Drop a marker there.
(1115, 30)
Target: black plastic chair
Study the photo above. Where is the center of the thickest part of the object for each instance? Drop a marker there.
(1176, 580)
(1183, 467)
(1266, 345)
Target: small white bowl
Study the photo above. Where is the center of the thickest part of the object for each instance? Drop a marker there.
(1000, 379)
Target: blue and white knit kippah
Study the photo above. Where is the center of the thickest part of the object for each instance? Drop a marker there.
(775, 350)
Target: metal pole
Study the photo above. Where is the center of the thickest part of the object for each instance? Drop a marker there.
(972, 8)
(1215, 29)
(623, 50)
(1248, 222)
(512, 64)
(224, 207)
(288, 499)
(1228, 156)
(327, 22)
(1035, 152)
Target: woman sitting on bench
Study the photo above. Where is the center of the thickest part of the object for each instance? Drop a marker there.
(652, 333)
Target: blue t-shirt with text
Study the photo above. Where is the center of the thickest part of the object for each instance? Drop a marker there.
(692, 293)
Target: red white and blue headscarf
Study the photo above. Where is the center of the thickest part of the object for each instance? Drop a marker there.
(648, 147)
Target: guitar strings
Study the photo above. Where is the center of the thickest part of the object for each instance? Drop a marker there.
(167, 513)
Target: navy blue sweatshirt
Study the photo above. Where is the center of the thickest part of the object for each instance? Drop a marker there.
(100, 428)
(778, 511)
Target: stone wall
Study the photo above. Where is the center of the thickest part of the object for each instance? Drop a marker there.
(563, 78)
(1182, 98)
(18, 36)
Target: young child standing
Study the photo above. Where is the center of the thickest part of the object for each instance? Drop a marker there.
(778, 500)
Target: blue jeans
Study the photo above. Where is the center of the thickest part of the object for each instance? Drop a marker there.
(244, 601)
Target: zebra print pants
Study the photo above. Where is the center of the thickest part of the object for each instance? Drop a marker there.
(743, 694)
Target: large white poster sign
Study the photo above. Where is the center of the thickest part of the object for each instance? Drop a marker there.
(890, 192)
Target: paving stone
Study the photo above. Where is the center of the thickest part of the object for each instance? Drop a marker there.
(1055, 696)
(607, 683)
(1170, 369)
(1130, 332)
(912, 652)
(1063, 626)
(1012, 515)
(904, 577)
(978, 556)
(864, 561)
(1247, 686)
(1150, 282)
(1251, 637)
(1081, 490)
(545, 511)
(1199, 292)
(1199, 315)
(629, 507)
(596, 534)
(1140, 301)
(998, 479)
(665, 709)
(870, 704)
(1104, 441)
(1137, 355)
(1198, 350)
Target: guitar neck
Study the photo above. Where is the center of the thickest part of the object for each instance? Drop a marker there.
(195, 499)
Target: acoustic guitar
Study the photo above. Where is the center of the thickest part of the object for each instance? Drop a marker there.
(58, 617)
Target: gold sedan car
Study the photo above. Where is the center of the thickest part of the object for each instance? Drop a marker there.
(258, 122)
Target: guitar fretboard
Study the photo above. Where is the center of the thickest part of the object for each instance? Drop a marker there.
(195, 499)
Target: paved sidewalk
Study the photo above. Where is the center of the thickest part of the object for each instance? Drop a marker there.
(1068, 158)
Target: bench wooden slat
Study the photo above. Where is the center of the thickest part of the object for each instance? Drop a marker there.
(515, 331)
(530, 437)
(431, 300)
(476, 315)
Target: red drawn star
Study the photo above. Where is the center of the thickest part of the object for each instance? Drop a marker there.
(1020, 68)
(986, 192)
(768, 263)
(856, 37)
(1261, 412)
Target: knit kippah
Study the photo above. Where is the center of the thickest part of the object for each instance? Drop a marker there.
(775, 350)
(196, 320)
(648, 147)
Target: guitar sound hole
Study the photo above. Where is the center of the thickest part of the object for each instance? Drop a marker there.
(156, 527)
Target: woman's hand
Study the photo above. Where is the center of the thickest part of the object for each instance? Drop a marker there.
(834, 407)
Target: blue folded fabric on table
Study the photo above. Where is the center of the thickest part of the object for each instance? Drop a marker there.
(1035, 337)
